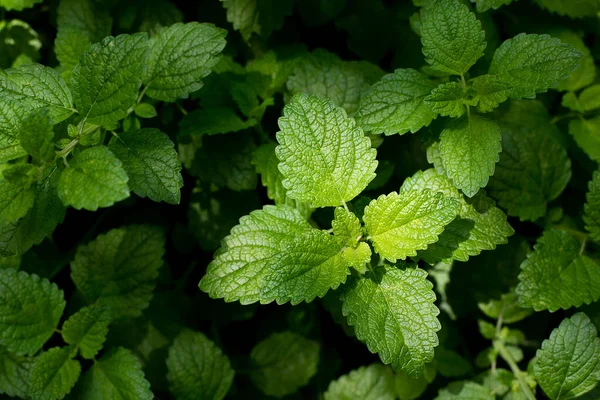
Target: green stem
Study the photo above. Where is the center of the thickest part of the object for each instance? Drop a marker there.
(564, 116)
(65, 152)
(506, 356)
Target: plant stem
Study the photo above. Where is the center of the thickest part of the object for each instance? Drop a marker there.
(506, 356)
(65, 152)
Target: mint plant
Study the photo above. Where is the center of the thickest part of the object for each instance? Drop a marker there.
(222, 199)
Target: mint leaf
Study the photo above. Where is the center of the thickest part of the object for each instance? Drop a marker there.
(14, 374)
(240, 267)
(575, 9)
(469, 150)
(585, 132)
(589, 98)
(568, 364)
(533, 169)
(18, 5)
(69, 46)
(37, 136)
(119, 269)
(533, 63)
(490, 91)
(212, 121)
(585, 72)
(266, 163)
(91, 19)
(198, 369)
(87, 329)
(95, 178)
(145, 110)
(448, 99)
(326, 76)
(401, 224)
(375, 382)
(508, 306)
(283, 363)
(117, 375)
(107, 80)
(408, 388)
(465, 390)
(451, 35)
(347, 227)
(556, 275)
(325, 158)
(484, 5)
(180, 56)
(396, 104)
(488, 227)
(392, 311)
(257, 16)
(54, 374)
(151, 163)
(16, 198)
(591, 209)
(30, 309)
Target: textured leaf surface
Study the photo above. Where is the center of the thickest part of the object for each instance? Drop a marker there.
(585, 72)
(283, 363)
(465, 391)
(591, 215)
(489, 229)
(37, 136)
(469, 151)
(119, 269)
(151, 163)
(490, 91)
(556, 275)
(392, 311)
(87, 329)
(88, 17)
(117, 375)
(16, 198)
(448, 99)
(30, 309)
(325, 158)
(69, 46)
(346, 226)
(375, 382)
(452, 36)
(484, 5)
(533, 63)
(533, 169)
(107, 80)
(395, 104)
(14, 374)
(95, 178)
(573, 9)
(180, 56)
(324, 75)
(240, 267)
(54, 374)
(198, 369)
(568, 364)
(401, 224)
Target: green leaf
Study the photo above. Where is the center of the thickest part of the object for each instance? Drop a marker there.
(89, 18)
(107, 80)
(95, 178)
(151, 163)
(556, 275)
(533, 169)
(212, 121)
(239, 269)
(490, 91)
(586, 133)
(283, 363)
(396, 104)
(54, 374)
(450, 364)
(484, 5)
(257, 16)
(589, 98)
(448, 99)
(533, 63)
(18, 5)
(409, 388)
(401, 224)
(69, 47)
(16, 198)
(375, 382)
(266, 163)
(508, 306)
(585, 72)
(37, 136)
(119, 269)
(465, 390)
(573, 9)
(469, 150)
(14, 374)
(392, 311)
(489, 226)
(591, 209)
(568, 364)
(325, 158)
(347, 227)
(326, 76)
(180, 56)
(87, 329)
(451, 35)
(30, 309)
(40, 221)
(198, 369)
(117, 375)
(145, 110)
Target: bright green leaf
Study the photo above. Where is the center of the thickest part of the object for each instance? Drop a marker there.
(346, 226)
(375, 382)
(484, 5)
(465, 390)
(490, 91)
(18, 5)
(448, 99)
(87, 329)
(145, 110)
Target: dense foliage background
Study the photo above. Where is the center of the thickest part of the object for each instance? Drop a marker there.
(266, 60)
